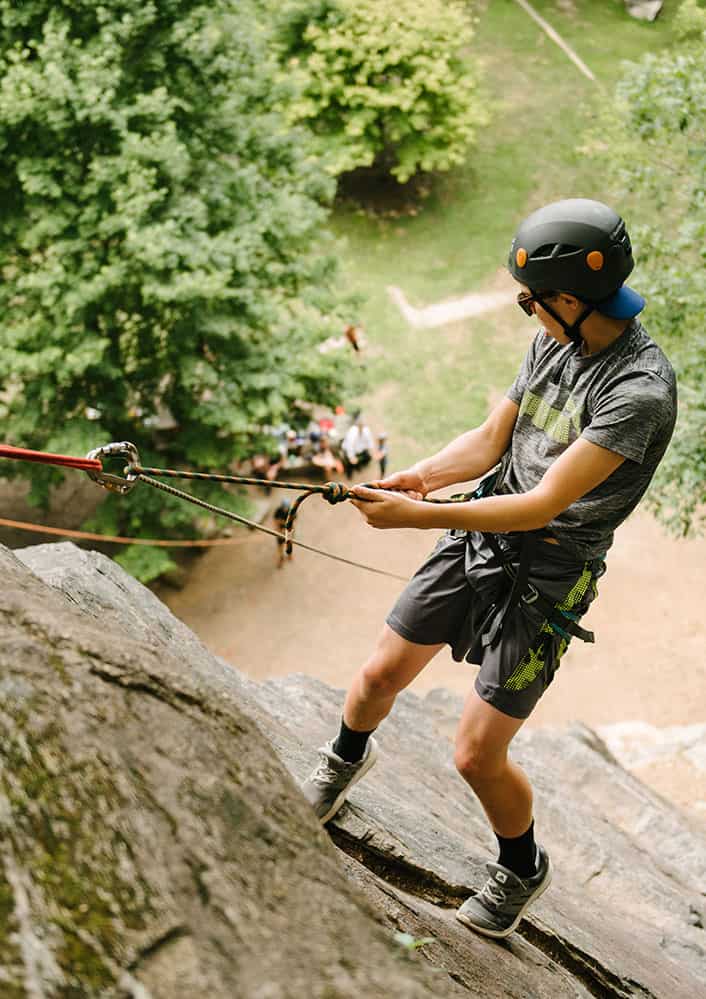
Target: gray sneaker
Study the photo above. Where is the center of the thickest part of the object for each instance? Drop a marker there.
(326, 788)
(498, 907)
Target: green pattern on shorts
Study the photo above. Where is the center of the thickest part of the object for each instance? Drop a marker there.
(578, 591)
(532, 663)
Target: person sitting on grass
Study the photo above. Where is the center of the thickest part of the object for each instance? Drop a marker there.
(566, 455)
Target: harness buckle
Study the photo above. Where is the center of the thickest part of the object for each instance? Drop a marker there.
(115, 483)
(530, 595)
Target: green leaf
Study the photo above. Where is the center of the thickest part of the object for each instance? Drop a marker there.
(409, 942)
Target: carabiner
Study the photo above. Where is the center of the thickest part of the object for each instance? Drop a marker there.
(114, 483)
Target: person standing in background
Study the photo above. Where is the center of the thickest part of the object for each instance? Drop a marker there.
(382, 454)
(357, 446)
(326, 460)
(280, 518)
(355, 337)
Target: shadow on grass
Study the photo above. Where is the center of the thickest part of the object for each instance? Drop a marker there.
(376, 192)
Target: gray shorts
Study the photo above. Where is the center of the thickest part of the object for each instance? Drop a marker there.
(459, 593)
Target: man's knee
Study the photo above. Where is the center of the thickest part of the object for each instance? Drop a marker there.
(381, 677)
(393, 665)
(477, 761)
(482, 740)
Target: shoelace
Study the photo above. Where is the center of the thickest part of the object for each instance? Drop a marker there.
(325, 772)
(492, 894)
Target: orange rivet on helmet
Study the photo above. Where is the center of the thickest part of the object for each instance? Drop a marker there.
(595, 260)
(521, 257)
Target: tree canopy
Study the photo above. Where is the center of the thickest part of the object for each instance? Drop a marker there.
(382, 82)
(161, 242)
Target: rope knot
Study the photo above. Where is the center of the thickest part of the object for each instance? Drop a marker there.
(335, 492)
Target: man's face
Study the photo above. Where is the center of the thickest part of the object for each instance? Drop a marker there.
(565, 306)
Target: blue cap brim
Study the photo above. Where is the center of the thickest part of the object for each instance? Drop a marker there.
(624, 304)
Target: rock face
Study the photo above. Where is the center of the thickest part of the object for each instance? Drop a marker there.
(154, 844)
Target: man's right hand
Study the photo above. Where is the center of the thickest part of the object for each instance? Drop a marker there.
(409, 481)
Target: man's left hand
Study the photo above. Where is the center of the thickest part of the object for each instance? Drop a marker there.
(384, 509)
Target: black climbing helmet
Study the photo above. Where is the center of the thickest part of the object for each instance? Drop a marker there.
(580, 247)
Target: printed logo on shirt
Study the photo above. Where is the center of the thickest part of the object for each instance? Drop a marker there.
(556, 423)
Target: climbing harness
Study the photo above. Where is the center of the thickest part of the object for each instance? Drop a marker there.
(560, 620)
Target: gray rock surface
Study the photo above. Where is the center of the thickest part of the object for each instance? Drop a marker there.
(152, 845)
(154, 842)
(627, 908)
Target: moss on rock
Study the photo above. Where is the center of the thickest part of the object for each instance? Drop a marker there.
(63, 831)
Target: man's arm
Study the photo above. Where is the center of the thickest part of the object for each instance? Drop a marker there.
(581, 468)
(473, 453)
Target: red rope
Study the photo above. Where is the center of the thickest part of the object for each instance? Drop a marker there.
(22, 454)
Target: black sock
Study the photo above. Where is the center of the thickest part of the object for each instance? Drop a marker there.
(519, 853)
(350, 745)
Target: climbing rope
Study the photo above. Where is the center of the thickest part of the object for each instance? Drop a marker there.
(134, 472)
(21, 453)
(64, 532)
(332, 492)
(138, 471)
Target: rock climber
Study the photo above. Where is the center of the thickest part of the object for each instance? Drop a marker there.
(566, 456)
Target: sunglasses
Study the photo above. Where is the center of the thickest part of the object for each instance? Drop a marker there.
(526, 300)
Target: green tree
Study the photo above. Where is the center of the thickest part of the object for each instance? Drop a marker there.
(382, 82)
(161, 244)
(690, 21)
(653, 146)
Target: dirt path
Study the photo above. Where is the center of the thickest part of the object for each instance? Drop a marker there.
(454, 309)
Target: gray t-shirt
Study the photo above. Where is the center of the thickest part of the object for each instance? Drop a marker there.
(623, 398)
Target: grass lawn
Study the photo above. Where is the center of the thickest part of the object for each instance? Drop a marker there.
(426, 386)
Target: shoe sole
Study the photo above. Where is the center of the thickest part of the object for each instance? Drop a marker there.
(499, 934)
(372, 757)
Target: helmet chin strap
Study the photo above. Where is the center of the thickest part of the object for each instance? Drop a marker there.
(572, 330)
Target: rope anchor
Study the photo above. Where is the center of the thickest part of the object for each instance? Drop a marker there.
(114, 483)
